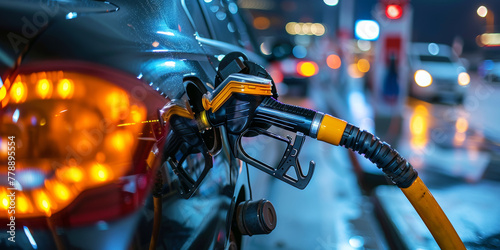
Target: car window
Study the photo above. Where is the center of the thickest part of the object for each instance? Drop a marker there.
(425, 58)
(222, 20)
(245, 38)
(198, 17)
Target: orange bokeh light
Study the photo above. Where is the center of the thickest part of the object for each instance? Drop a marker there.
(461, 125)
(354, 72)
(99, 172)
(65, 88)
(261, 23)
(419, 126)
(43, 202)
(18, 91)
(3, 92)
(118, 102)
(4, 199)
(333, 61)
(60, 191)
(363, 65)
(44, 88)
(23, 204)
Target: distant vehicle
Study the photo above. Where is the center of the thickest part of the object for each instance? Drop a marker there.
(437, 73)
(291, 73)
(489, 69)
(295, 74)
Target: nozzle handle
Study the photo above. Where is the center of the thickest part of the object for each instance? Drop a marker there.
(290, 117)
(289, 159)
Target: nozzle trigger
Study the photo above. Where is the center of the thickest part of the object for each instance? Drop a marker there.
(289, 159)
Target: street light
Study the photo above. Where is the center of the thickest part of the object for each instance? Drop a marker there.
(482, 11)
(331, 2)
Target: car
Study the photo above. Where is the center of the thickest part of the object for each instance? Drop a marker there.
(489, 67)
(82, 143)
(291, 69)
(436, 73)
(491, 71)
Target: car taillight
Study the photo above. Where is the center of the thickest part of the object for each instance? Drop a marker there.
(73, 132)
(307, 68)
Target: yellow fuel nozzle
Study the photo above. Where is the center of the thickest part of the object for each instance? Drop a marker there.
(236, 84)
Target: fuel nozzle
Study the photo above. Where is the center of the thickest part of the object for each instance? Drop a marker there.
(234, 102)
(244, 104)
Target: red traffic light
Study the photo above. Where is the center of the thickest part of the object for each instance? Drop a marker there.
(393, 11)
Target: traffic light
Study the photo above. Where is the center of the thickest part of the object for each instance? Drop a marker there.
(393, 11)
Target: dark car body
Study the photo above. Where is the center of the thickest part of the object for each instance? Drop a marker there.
(149, 51)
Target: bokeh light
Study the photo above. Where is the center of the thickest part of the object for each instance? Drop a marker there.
(463, 79)
(423, 78)
(333, 61)
(482, 11)
(393, 11)
(433, 49)
(354, 72)
(367, 30)
(65, 88)
(331, 2)
(461, 125)
(363, 65)
(261, 23)
(307, 68)
(44, 88)
(308, 29)
(299, 51)
(364, 45)
(18, 92)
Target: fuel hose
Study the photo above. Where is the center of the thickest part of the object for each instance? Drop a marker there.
(243, 102)
(400, 171)
(340, 133)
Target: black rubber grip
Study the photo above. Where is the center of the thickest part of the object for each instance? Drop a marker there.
(286, 116)
(158, 184)
(397, 168)
(287, 108)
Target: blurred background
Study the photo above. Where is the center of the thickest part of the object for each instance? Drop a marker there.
(423, 76)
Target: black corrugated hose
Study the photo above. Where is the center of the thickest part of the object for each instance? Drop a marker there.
(397, 168)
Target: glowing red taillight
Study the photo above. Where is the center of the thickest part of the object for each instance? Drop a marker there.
(307, 68)
(73, 132)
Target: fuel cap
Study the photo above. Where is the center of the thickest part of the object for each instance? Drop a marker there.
(256, 217)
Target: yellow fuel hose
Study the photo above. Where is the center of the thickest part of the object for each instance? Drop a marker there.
(433, 216)
(331, 130)
(337, 132)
